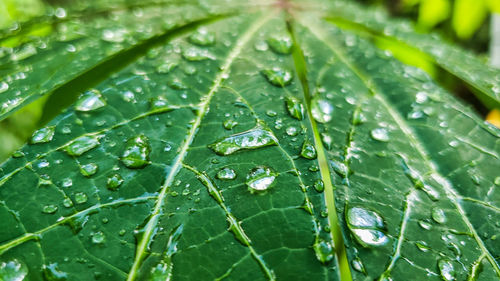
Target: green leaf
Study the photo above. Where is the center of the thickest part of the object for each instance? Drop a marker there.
(468, 16)
(325, 160)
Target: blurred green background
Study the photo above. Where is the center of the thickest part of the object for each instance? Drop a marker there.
(468, 23)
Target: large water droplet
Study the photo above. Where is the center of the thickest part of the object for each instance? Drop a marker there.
(252, 139)
(98, 237)
(197, 54)
(13, 271)
(324, 250)
(260, 179)
(278, 76)
(136, 154)
(114, 181)
(43, 135)
(52, 273)
(308, 151)
(367, 226)
(319, 185)
(82, 145)
(202, 37)
(226, 174)
(292, 131)
(81, 198)
(89, 170)
(446, 269)
(49, 209)
(321, 110)
(295, 108)
(89, 101)
(438, 215)
(380, 134)
(281, 44)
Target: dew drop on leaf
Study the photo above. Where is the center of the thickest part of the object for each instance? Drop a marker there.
(380, 134)
(13, 271)
(49, 209)
(226, 174)
(319, 185)
(260, 179)
(114, 181)
(80, 198)
(324, 251)
(166, 67)
(438, 215)
(176, 84)
(280, 44)
(422, 246)
(278, 76)
(52, 273)
(367, 226)
(446, 269)
(159, 104)
(295, 108)
(67, 203)
(89, 170)
(91, 100)
(271, 113)
(327, 140)
(82, 145)
(251, 139)
(321, 110)
(291, 131)
(3, 87)
(197, 54)
(308, 151)
(43, 135)
(229, 124)
(202, 37)
(424, 224)
(98, 237)
(136, 154)
(358, 265)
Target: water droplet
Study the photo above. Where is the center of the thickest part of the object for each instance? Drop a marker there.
(229, 124)
(197, 54)
(67, 203)
(82, 145)
(291, 131)
(52, 273)
(89, 170)
(159, 104)
(255, 138)
(202, 37)
(422, 246)
(161, 272)
(425, 225)
(3, 87)
(446, 269)
(271, 113)
(358, 265)
(438, 215)
(166, 67)
(319, 185)
(380, 134)
(44, 180)
(13, 271)
(261, 46)
(260, 179)
(114, 181)
(89, 101)
(10, 104)
(295, 108)
(136, 154)
(327, 140)
(281, 44)
(278, 77)
(98, 237)
(226, 174)
(308, 150)
(497, 181)
(367, 226)
(321, 110)
(116, 35)
(49, 209)
(324, 251)
(176, 84)
(80, 198)
(43, 135)
(18, 154)
(24, 52)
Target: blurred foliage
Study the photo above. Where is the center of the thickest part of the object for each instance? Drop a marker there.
(19, 10)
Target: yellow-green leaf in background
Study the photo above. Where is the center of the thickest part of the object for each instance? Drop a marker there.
(468, 15)
(432, 12)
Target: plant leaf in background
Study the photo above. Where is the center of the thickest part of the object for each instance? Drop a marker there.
(243, 141)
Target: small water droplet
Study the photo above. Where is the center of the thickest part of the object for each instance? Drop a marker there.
(226, 174)
(271, 113)
(3, 87)
(422, 246)
(380, 134)
(281, 44)
(91, 100)
(319, 185)
(89, 170)
(324, 251)
(197, 54)
(260, 179)
(13, 271)
(202, 37)
(229, 124)
(367, 226)
(49, 209)
(166, 67)
(159, 104)
(82, 145)
(98, 237)
(291, 131)
(114, 181)
(308, 151)
(321, 110)
(52, 273)
(176, 84)
(18, 154)
(261, 46)
(278, 76)
(80, 198)
(67, 203)
(358, 265)
(136, 154)
(438, 215)
(43, 135)
(497, 181)
(251, 139)
(424, 224)
(295, 108)
(446, 269)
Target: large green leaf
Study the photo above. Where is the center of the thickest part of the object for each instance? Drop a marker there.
(261, 145)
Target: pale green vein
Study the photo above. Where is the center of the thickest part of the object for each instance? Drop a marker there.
(406, 129)
(37, 235)
(235, 225)
(485, 204)
(177, 165)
